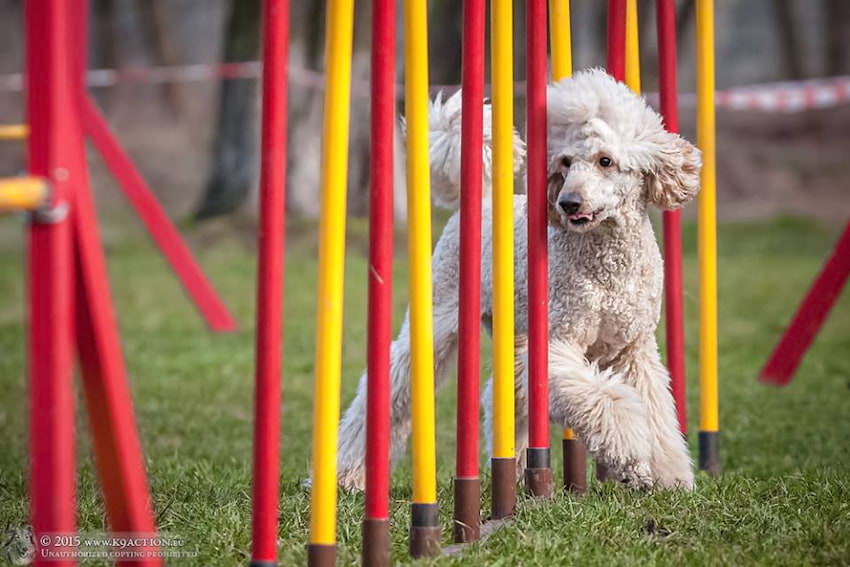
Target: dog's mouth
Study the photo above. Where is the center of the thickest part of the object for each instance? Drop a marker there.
(584, 220)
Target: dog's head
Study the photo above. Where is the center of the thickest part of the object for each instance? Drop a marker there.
(609, 156)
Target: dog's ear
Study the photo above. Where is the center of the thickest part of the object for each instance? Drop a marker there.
(672, 174)
(554, 184)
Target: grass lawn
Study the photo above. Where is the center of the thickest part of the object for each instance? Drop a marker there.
(783, 499)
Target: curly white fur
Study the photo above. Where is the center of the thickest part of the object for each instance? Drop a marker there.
(608, 152)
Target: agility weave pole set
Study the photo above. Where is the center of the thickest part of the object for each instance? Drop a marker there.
(623, 63)
(70, 309)
(70, 300)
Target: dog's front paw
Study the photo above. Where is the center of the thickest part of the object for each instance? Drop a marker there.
(674, 478)
(635, 475)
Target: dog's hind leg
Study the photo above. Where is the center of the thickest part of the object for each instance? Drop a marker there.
(606, 413)
(352, 427)
(671, 464)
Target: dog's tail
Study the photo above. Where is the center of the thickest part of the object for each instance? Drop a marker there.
(445, 127)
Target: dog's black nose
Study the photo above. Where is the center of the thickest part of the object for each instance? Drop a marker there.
(570, 203)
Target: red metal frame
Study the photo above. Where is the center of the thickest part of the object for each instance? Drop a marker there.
(157, 223)
(50, 280)
(538, 242)
(270, 282)
(810, 316)
(380, 260)
(469, 316)
(674, 303)
(69, 297)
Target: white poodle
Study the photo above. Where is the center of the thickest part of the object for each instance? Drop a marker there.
(609, 159)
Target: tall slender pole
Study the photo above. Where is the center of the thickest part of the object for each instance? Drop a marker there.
(632, 74)
(538, 474)
(376, 526)
(270, 273)
(338, 44)
(503, 463)
(425, 526)
(709, 458)
(560, 31)
(615, 63)
(615, 59)
(52, 476)
(467, 486)
(674, 304)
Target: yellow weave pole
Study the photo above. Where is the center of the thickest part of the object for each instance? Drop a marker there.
(22, 193)
(707, 241)
(632, 47)
(562, 65)
(504, 453)
(338, 40)
(424, 536)
(560, 34)
(14, 132)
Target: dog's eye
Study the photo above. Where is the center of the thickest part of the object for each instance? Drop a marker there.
(605, 161)
(566, 162)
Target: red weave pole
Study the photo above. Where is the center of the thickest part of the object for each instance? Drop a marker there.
(52, 475)
(270, 283)
(674, 303)
(467, 488)
(380, 260)
(376, 529)
(117, 448)
(538, 242)
(157, 223)
(469, 317)
(615, 61)
(811, 314)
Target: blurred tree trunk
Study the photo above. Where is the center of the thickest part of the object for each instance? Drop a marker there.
(837, 36)
(788, 39)
(157, 23)
(234, 156)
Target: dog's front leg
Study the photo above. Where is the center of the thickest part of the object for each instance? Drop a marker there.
(641, 368)
(607, 414)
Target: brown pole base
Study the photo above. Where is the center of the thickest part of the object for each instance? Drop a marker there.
(709, 452)
(467, 517)
(376, 542)
(424, 530)
(575, 466)
(503, 487)
(538, 474)
(321, 555)
(601, 472)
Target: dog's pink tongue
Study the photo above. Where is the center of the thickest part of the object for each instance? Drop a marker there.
(579, 216)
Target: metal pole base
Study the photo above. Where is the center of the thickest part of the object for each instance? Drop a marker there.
(709, 452)
(503, 487)
(575, 466)
(376, 542)
(321, 555)
(538, 474)
(255, 563)
(467, 516)
(424, 530)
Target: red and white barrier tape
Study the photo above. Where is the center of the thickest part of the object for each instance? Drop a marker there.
(768, 97)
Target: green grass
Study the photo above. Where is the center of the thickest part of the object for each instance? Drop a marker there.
(782, 500)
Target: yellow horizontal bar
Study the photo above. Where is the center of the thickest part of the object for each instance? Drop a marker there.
(22, 193)
(14, 132)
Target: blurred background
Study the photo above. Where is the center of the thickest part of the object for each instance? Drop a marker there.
(194, 132)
